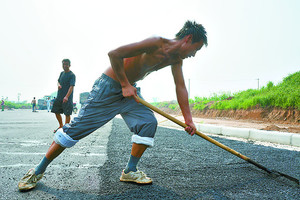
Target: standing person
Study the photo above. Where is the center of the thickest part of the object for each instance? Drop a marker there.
(2, 104)
(33, 103)
(63, 103)
(115, 93)
(48, 104)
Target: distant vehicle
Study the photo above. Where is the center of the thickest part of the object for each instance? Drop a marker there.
(42, 103)
(83, 97)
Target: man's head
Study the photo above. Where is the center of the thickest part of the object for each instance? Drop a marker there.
(66, 63)
(192, 37)
(196, 30)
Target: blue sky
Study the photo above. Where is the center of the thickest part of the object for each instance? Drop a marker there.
(247, 40)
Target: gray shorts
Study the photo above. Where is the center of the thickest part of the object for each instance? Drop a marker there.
(105, 101)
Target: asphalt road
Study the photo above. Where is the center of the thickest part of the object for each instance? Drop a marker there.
(181, 166)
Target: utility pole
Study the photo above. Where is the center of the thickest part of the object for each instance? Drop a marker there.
(19, 94)
(257, 83)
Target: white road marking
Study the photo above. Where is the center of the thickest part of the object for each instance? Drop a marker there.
(83, 166)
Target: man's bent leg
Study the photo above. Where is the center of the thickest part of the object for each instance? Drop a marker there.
(130, 173)
(138, 149)
(142, 122)
(136, 153)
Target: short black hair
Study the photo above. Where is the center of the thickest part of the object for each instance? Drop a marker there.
(66, 60)
(196, 30)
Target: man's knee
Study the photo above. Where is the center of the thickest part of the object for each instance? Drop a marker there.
(148, 141)
(146, 132)
(63, 139)
(150, 127)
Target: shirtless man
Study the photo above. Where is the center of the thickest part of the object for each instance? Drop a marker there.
(115, 93)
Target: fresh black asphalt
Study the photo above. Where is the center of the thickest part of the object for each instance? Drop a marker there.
(185, 167)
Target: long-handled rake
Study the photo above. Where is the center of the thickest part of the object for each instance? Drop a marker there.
(272, 172)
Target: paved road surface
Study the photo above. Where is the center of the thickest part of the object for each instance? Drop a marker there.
(181, 166)
(24, 139)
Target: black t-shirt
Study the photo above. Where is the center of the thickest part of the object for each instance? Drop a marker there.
(66, 80)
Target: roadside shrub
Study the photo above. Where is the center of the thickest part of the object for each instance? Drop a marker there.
(12, 105)
(174, 106)
(270, 84)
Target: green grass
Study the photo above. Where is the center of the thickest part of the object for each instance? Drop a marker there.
(167, 104)
(12, 105)
(285, 95)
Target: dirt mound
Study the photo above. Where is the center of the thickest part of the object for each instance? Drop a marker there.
(275, 128)
(280, 119)
(269, 115)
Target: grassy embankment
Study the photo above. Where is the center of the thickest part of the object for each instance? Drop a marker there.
(285, 95)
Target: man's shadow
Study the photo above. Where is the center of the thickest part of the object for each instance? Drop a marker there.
(128, 191)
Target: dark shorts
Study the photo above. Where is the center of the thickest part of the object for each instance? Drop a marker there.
(60, 107)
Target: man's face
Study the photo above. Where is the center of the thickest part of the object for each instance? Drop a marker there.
(190, 49)
(66, 66)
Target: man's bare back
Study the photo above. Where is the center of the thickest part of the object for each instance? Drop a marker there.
(161, 54)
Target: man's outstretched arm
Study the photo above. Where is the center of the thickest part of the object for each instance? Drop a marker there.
(182, 97)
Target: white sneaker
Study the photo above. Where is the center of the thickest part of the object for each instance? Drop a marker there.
(138, 177)
(29, 180)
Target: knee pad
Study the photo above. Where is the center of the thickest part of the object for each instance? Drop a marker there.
(63, 139)
(142, 140)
